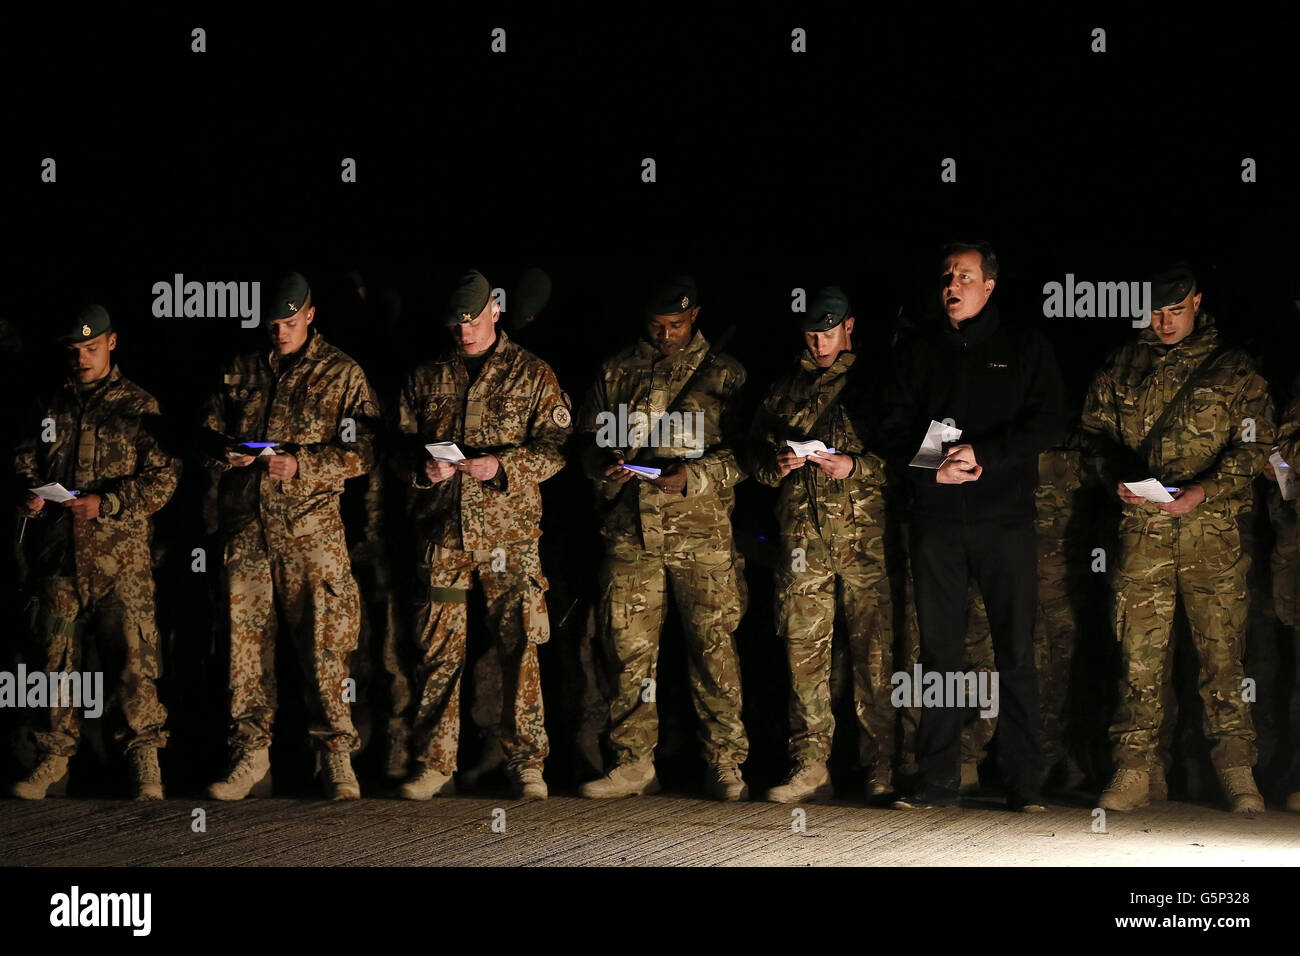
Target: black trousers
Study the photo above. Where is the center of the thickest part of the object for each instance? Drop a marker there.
(1002, 559)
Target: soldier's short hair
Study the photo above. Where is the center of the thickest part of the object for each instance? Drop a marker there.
(988, 258)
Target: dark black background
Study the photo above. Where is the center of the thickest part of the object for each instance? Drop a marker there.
(775, 170)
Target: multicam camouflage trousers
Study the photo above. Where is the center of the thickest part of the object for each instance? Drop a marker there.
(1055, 631)
(121, 616)
(1201, 561)
(515, 591)
(807, 598)
(309, 580)
(633, 587)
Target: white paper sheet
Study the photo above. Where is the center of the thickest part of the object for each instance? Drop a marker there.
(805, 448)
(54, 492)
(444, 451)
(1151, 489)
(1287, 482)
(930, 454)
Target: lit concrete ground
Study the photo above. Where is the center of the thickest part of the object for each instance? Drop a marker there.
(566, 831)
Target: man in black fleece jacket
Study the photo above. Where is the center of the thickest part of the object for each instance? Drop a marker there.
(973, 518)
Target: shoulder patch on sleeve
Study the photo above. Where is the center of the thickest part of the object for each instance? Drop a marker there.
(560, 415)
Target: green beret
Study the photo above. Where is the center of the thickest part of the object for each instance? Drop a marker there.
(829, 307)
(289, 294)
(91, 321)
(1172, 286)
(673, 296)
(469, 298)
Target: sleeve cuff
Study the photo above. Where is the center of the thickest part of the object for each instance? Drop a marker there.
(1212, 489)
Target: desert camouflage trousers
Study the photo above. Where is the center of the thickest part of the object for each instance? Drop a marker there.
(1200, 560)
(634, 588)
(818, 579)
(308, 581)
(119, 615)
(514, 589)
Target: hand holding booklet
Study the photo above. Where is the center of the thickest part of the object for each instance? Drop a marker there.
(805, 448)
(643, 471)
(258, 449)
(931, 452)
(1287, 482)
(445, 451)
(1151, 489)
(53, 492)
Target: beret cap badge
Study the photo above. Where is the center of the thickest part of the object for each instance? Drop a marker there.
(85, 330)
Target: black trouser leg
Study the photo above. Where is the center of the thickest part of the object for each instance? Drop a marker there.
(1004, 564)
(940, 576)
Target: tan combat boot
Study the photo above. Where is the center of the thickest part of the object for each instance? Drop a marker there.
(1239, 786)
(339, 777)
(48, 772)
(1128, 790)
(251, 767)
(807, 781)
(527, 783)
(427, 783)
(146, 778)
(970, 777)
(625, 780)
(727, 785)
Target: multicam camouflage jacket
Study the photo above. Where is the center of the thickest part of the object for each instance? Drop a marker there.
(812, 504)
(625, 411)
(1063, 476)
(514, 411)
(103, 441)
(1205, 442)
(320, 408)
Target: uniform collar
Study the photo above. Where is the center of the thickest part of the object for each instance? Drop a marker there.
(310, 352)
(108, 381)
(498, 348)
(691, 355)
(1204, 337)
(843, 362)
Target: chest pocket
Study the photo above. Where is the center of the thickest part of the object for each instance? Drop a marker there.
(505, 421)
(244, 398)
(440, 416)
(115, 447)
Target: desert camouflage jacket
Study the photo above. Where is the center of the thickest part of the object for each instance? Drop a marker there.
(515, 411)
(105, 442)
(320, 407)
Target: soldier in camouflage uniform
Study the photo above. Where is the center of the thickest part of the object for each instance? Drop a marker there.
(1286, 571)
(675, 525)
(284, 544)
(1062, 573)
(479, 518)
(1141, 422)
(96, 435)
(831, 513)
